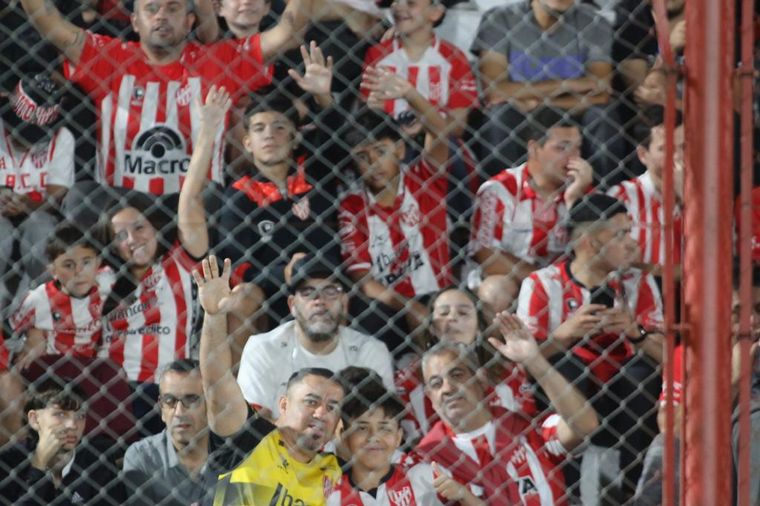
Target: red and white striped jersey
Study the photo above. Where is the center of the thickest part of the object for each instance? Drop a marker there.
(442, 74)
(513, 393)
(549, 296)
(155, 326)
(4, 355)
(406, 245)
(412, 486)
(510, 216)
(29, 172)
(645, 208)
(509, 458)
(149, 115)
(72, 325)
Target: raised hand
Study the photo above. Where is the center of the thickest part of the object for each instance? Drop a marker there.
(317, 78)
(214, 292)
(218, 102)
(519, 345)
(385, 84)
(451, 490)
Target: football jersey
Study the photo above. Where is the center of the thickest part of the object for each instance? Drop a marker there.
(270, 476)
(549, 296)
(442, 74)
(149, 115)
(411, 486)
(70, 324)
(153, 327)
(645, 208)
(507, 461)
(513, 392)
(510, 216)
(29, 172)
(4, 355)
(406, 245)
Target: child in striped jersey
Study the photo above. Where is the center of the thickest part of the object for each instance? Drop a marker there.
(63, 315)
(370, 437)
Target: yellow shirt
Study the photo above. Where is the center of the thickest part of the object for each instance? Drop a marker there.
(269, 476)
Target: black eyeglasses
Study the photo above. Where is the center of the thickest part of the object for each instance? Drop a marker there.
(188, 401)
(326, 292)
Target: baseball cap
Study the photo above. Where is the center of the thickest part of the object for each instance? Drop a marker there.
(315, 265)
(594, 207)
(34, 107)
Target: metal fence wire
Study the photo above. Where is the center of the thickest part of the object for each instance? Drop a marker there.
(443, 227)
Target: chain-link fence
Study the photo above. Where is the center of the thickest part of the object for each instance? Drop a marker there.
(444, 228)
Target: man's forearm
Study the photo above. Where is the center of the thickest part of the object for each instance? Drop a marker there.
(227, 409)
(52, 26)
(495, 263)
(504, 90)
(567, 401)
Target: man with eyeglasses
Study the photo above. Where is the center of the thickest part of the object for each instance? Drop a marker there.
(173, 463)
(316, 337)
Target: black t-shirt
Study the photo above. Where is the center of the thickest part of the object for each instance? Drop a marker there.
(92, 480)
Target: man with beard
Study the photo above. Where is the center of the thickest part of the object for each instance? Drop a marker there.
(315, 338)
(281, 464)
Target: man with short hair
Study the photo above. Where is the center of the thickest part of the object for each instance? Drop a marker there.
(599, 320)
(53, 465)
(497, 452)
(518, 224)
(146, 91)
(283, 463)
(316, 337)
(174, 462)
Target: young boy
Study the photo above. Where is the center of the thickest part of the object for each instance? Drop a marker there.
(393, 226)
(63, 315)
(371, 434)
(55, 465)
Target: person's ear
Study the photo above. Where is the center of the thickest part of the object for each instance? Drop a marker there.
(642, 153)
(282, 404)
(50, 270)
(34, 421)
(292, 305)
(400, 149)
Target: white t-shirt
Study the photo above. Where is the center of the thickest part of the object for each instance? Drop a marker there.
(270, 359)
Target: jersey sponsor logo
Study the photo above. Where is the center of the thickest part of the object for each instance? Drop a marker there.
(158, 150)
(122, 314)
(526, 486)
(398, 268)
(301, 208)
(402, 497)
(281, 497)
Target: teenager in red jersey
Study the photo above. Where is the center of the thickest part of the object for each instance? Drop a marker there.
(505, 458)
(369, 439)
(150, 312)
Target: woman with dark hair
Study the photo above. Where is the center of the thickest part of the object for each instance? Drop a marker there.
(151, 310)
(456, 316)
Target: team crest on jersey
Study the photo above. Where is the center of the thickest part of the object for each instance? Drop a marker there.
(402, 497)
(159, 150)
(410, 216)
(301, 208)
(56, 316)
(184, 95)
(265, 228)
(572, 304)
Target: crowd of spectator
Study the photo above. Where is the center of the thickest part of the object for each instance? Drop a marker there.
(312, 252)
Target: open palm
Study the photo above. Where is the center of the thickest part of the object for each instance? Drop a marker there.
(214, 291)
(519, 345)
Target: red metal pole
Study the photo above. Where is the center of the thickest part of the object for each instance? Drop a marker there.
(707, 265)
(745, 280)
(669, 489)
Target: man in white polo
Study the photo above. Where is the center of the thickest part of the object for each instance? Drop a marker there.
(316, 337)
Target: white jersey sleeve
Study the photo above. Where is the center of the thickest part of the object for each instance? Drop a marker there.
(61, 172)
